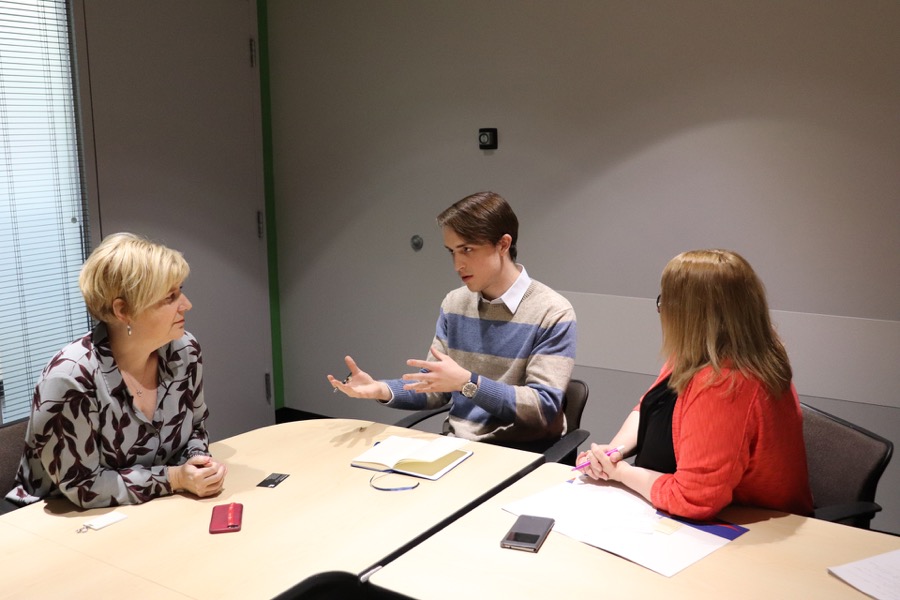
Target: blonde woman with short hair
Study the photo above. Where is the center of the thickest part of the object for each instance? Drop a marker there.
(722, 423)
(118, 415)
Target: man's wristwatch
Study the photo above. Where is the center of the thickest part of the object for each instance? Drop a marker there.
(471, 386)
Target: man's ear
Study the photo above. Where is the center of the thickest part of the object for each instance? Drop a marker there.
(120, 310)
(504, 243)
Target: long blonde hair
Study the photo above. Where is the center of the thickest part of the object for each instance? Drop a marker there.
(714, 312)
(132, 268)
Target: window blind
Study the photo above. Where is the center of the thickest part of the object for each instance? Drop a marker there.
(43, 224)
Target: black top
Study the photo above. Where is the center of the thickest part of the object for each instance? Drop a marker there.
(654, 443)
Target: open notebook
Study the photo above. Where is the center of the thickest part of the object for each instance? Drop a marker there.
(429, 459)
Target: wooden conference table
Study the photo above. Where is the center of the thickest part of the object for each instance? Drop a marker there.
(781, 556)
(323, 517)
(33, 567)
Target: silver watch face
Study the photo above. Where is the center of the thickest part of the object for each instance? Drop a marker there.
(469, 390)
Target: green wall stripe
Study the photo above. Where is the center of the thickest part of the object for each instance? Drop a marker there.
(262, 16)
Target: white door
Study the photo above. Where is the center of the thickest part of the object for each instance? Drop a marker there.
(170, 106)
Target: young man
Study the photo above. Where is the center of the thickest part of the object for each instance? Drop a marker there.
(504, 345)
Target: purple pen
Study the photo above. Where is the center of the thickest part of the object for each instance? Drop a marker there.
(609, 452)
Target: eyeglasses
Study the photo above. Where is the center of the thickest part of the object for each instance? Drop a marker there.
(658, 298)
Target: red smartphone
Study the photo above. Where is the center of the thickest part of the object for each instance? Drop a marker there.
(226, 518)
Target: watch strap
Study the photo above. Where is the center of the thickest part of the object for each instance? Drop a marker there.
(470, 388)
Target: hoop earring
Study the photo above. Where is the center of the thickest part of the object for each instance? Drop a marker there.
(128, 329)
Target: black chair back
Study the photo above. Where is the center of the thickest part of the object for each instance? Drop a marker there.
(574, 402)
(845, 461)
(12, 443)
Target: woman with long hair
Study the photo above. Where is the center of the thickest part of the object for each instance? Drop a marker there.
(722, 423)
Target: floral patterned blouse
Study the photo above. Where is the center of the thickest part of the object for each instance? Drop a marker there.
(88, 442)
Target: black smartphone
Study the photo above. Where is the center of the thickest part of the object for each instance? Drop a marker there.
(527, 533)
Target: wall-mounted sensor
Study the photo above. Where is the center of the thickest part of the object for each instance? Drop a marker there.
(487, 138)
(416, 242)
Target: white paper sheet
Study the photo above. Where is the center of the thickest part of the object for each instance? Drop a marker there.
(619, 521)
(878, 576)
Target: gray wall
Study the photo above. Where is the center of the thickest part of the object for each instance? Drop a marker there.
(172, 142)
(629, 131)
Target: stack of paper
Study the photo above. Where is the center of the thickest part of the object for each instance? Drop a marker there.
(878, 576)
(620, 521)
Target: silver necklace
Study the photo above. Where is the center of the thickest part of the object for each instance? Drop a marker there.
(136, 384)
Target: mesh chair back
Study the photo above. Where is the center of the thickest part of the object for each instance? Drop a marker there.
(845, 461)
(12, 443)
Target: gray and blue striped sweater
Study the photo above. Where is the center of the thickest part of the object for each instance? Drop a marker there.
(524, 359)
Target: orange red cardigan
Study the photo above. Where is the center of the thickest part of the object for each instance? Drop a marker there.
(734, 443)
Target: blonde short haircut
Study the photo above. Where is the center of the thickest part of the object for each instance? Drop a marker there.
(714, 313)
(132, 268)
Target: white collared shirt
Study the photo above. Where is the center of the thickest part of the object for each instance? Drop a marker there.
(513, 296)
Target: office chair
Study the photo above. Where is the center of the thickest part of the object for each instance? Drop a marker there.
(337, 585)
(563, 450)
(12, 442)
(845, 463)
(330, 585)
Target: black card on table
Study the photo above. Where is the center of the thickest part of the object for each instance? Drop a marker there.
(272, 480)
